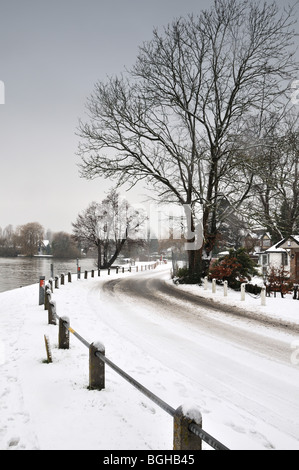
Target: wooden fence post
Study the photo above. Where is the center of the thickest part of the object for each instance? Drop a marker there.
(69, 277)
(52, 313)
(47, 296)
(63, 333)
(96, 367)
(183, 438)
(56, 282)
(48, 349)
(62, 279)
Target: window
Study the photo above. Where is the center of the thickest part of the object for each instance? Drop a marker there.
(284, 260)
(265, 260)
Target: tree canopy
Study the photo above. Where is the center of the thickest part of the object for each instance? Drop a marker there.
(172, 119)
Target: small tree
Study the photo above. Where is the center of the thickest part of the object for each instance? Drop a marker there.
(31, 235)
(278, 280)
(235, 268)
(63, 246)
(107, 225)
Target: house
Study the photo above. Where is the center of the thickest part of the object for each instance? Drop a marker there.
(257, 241)
(291, 245)
(44, 248)
(265, 241)
(274, 257)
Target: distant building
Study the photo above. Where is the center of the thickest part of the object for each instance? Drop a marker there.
(44, 248)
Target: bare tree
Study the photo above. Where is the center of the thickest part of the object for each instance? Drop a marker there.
(170, 119)
(107, 225)
(274, 199)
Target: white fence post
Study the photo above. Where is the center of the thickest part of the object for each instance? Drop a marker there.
(263, 296)
(243, 291)
(225, 288)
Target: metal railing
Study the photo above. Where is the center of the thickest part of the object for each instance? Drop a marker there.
(65, 329)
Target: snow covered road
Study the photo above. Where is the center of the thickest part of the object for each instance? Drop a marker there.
(236, 370)
(238, 359)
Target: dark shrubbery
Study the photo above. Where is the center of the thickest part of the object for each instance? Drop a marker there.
(235, 268)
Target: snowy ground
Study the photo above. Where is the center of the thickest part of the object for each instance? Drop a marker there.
(48, 406)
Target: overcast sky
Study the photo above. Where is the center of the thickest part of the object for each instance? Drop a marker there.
(51, 55)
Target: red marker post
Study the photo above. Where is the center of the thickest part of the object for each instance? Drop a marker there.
(42, 281)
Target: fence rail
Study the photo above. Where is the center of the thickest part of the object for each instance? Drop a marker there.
(188, 434)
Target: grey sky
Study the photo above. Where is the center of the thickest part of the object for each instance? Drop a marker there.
(51, 55)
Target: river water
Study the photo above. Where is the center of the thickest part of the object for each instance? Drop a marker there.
(19, 272)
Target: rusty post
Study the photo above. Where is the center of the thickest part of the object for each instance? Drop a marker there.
(52, 313)
(63, 333)
(96, 367)
(183, 438)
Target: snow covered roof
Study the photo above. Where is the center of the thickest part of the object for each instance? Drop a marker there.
(289, 241)
(275, 249)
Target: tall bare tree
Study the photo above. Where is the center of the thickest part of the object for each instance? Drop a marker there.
(274, 159)
(171, 118)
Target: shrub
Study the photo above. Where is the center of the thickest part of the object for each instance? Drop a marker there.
(235, 268)
(278, 280)
(182, 276)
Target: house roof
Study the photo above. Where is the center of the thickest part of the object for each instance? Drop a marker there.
(294, 238)
(275, 249)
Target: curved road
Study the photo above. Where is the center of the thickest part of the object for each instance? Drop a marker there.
(153, 291)
(241, 357)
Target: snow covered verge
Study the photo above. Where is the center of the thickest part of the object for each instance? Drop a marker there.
(48, 406)
(285, 309)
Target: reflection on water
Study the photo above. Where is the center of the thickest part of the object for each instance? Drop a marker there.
(20, 272)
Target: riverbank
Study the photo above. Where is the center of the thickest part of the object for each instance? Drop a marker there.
(23, 271)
